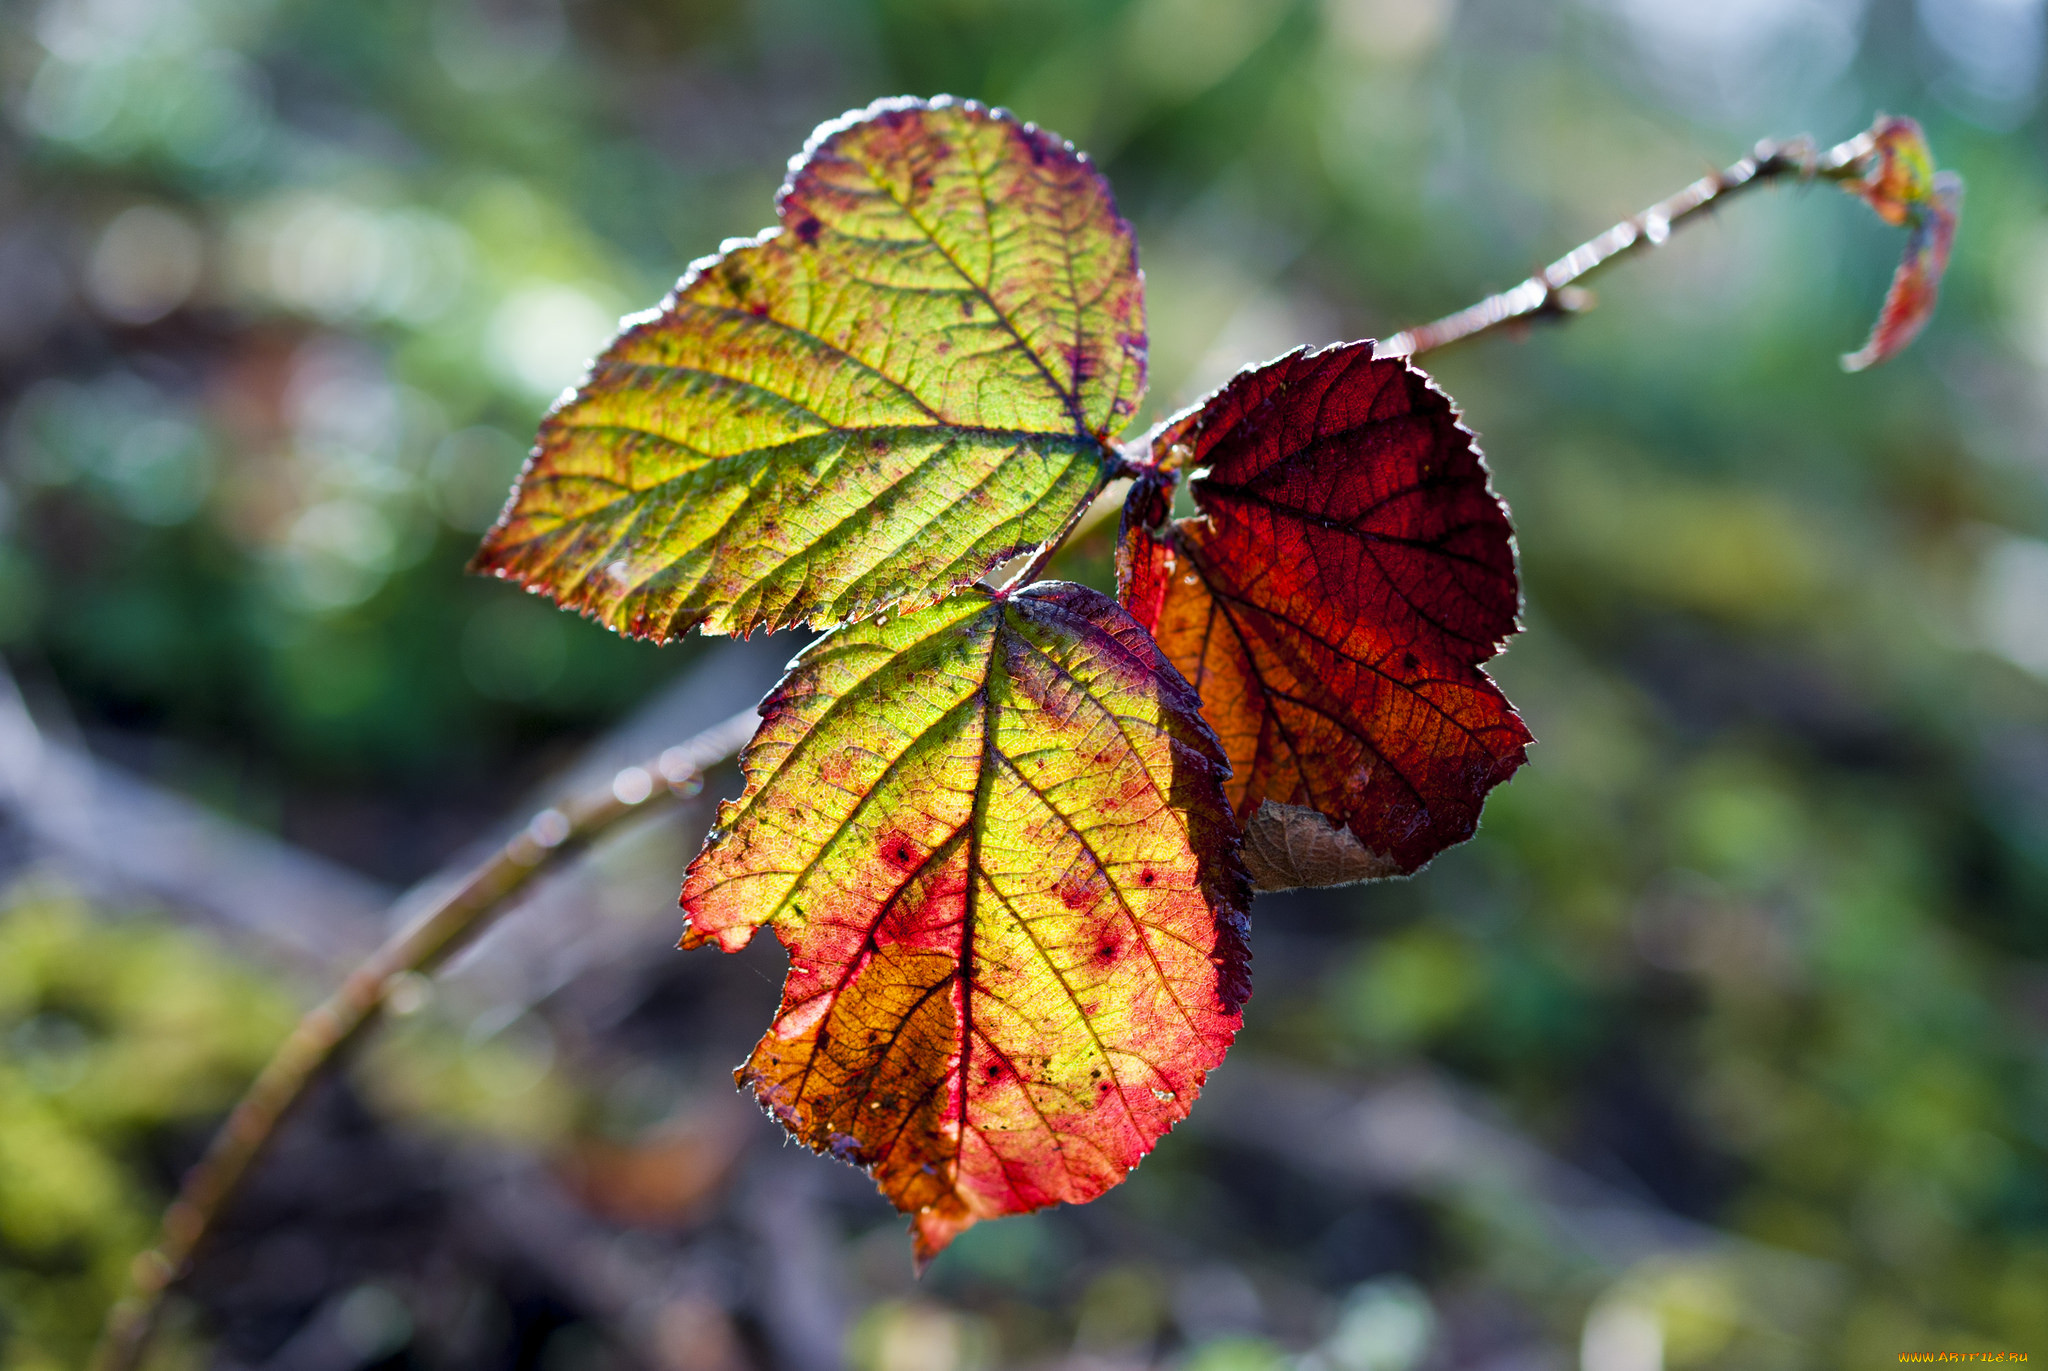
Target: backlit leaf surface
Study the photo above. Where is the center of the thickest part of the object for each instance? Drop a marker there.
(909, 379)
(992, 835)
(1346, 574)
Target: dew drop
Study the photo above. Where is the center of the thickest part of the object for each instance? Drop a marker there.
(632, 785)
(549, 828)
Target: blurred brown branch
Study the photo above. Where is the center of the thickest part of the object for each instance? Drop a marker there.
(1419, 1132)
(425, 944)
(117, 826)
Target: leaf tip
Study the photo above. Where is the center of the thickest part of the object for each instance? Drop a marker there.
(933, 1231)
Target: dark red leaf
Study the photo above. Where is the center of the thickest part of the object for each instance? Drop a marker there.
(1347, 573)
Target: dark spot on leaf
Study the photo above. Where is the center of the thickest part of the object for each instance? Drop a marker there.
(807, 228)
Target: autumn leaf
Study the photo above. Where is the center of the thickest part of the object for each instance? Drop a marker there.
(993, 837)
(911, 378)
(1347, 572)
(1897, 173)
(1901, 183)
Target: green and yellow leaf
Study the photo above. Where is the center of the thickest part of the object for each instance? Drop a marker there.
(910, 379)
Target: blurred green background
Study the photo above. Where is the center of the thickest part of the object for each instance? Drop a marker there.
(1725, 1044)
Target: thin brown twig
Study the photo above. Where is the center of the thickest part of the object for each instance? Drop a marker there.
(1553, 292)
(320, 1038)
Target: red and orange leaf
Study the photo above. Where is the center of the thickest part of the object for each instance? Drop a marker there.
(912, 378)
(1900, 182)
(1347, 573)
(992, 835)
(1916, 282)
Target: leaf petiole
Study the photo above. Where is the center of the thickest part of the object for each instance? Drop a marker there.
(1032, 569)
